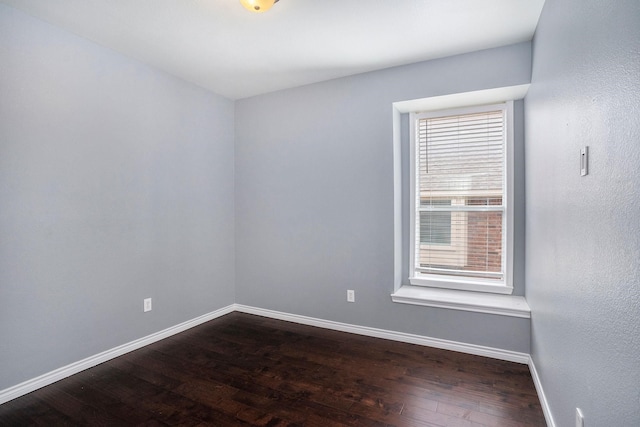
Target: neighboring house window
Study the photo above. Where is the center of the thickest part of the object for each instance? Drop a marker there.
(460, 183)
(435, 226)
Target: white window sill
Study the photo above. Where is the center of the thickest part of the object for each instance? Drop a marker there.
(504, 305)
(459, 283)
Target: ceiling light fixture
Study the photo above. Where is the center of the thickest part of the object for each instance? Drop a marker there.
(258, 6)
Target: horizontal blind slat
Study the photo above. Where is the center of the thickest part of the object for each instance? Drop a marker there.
(460, 158)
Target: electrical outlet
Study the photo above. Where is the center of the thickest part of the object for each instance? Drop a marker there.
(147, 304)
(351, 295)
(579, 418)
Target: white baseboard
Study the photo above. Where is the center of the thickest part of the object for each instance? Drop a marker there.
(73, 368)
(546, 410)
(478, 350)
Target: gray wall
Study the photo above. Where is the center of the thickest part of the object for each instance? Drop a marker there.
(314, 197)
(583, 233)
(116, 184)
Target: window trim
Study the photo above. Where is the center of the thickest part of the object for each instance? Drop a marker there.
(423, 296)
(504, 286)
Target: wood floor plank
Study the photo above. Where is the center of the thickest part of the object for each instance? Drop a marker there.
(31, 411)
(248, 370)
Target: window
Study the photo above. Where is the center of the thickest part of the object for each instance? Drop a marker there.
(435, 227)
(460, 183)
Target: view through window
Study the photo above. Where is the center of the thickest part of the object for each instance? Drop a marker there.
(458, 192)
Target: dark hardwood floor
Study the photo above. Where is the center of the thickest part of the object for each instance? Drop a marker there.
(249, 370)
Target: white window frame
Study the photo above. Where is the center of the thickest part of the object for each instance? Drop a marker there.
(505, 285)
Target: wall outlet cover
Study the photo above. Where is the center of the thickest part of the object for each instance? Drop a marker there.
(351, 296)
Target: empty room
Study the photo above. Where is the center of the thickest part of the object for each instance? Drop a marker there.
(320, 213)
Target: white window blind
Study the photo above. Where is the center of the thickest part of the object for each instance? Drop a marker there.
(459, 195)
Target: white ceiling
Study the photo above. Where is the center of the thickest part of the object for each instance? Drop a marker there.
(221, 46)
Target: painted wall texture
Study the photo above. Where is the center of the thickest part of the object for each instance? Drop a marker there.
(116, 184)
(583, 233)
(314, 198)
